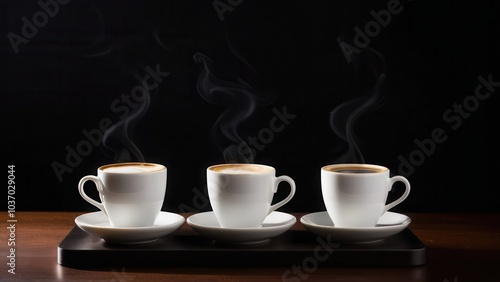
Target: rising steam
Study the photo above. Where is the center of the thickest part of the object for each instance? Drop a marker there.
(344, 117)
(239, 100)
(117, 137)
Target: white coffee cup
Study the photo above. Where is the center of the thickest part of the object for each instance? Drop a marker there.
(355, 195)
(131, 193)
(241, 194)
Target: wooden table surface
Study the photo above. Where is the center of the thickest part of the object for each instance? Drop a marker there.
(460, 247)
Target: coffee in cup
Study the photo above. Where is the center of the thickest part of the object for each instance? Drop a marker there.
(355, 195)
(131, 194)
(241, 194)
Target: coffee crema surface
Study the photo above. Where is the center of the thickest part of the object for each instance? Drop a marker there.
(132, 168)
(357, 169)
(241, 169)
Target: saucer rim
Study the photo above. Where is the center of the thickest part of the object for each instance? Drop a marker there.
(242, 236)
(178, 219)
(291, 222)
(354, 235)
(405, 222)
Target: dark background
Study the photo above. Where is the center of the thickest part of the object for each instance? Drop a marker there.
(405, 87)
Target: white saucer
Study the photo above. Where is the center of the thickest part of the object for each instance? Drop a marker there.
(389, 224)
(97, 224)
(275, 224)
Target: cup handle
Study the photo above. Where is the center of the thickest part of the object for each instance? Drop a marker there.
(288, 198)
(393, 180)
(99, 187)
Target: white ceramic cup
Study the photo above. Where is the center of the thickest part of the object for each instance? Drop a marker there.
(355, 195)
(241, 194)
(131, 193)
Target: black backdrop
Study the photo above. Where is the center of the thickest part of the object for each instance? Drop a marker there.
(411, 85)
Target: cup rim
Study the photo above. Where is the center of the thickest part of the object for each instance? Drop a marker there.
(161, 167)
(327, 168)
(269, 169)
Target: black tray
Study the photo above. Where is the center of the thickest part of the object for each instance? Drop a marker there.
(186, 248)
